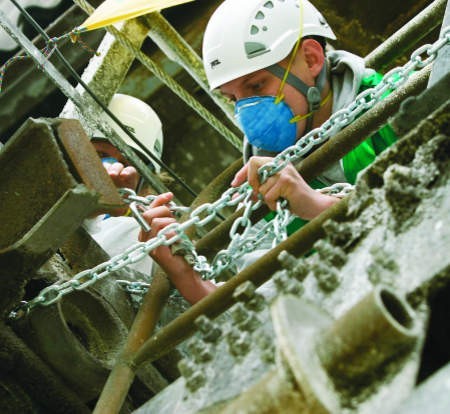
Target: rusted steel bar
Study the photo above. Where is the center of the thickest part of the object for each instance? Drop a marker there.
(222, 298)
(170, 82)
(406, 37)
(344, 141)
(442, 63)
(121, 376)
(176, 48)
(214, 190)
(330, 152)
(217, 186)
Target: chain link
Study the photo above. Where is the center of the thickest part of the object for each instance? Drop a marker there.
(339, 190)
(244, 242)
(135, 287)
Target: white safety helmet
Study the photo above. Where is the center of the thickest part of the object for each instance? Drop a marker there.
(142, 121)
(243, 36)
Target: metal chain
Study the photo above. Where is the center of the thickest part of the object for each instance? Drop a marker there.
(133, 287)
(242, 243)
(184, 247)
(392, 80)
(339, 190)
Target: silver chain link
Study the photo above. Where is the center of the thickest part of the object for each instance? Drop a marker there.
(133, 287)
(242, 243)
(339, 190)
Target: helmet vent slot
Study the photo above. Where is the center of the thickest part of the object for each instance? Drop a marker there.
(253, 49)
(268, 5)
(260, 16)
(254, 30)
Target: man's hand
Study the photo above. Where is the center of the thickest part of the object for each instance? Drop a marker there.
(158, 216)
(122, 176)
(287, 184)
(182, 275)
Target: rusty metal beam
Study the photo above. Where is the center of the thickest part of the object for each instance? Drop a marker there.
(122, 375)
(86, 162)
(44, 197)
(406, 37)
(171, 83)
(177, 49)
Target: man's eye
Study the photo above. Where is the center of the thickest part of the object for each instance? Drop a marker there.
(256, 87)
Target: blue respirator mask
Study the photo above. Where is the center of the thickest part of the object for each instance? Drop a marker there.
(109, 160)
(268, 122)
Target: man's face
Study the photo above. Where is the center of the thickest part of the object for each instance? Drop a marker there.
(105, 150)
(263, 83)
(122, 173)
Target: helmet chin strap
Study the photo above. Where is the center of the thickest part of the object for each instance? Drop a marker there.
(311, 93)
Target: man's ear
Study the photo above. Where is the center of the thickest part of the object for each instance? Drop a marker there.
(314, 55)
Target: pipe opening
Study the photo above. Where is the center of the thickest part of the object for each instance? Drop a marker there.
(396, 309)
(93, 325)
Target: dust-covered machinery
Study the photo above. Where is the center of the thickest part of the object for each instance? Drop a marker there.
(349, 314)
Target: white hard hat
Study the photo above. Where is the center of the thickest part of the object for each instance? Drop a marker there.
(141, 120)
(243, 36)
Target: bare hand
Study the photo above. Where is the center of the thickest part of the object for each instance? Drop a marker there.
(122, 176)
(287, 184)
(158, 216)
(182, 275)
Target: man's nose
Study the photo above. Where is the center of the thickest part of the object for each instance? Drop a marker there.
(239, 94)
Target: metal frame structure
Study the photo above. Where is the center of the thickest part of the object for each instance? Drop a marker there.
(126, 44)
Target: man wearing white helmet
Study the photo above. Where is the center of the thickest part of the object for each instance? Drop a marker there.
(268, 56)
(144, 123)
(115, 234)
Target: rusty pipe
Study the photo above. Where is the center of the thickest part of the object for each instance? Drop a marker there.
(406, 37)
(377, 328)
(214, 190)
(122, 376)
